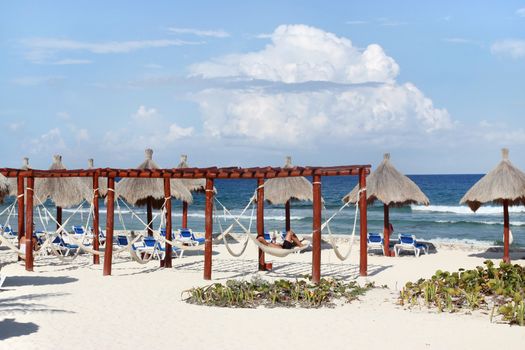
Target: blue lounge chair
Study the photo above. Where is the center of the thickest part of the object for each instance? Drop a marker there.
(78, 230)
(186, 236)
(375, 242)
(409, 242)
(65, 247)
(152, 246)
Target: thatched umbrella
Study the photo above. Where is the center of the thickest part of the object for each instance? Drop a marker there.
(193, 185)
(102, 182)
(284, 190)
(393, 189)
(4, 187)
(150, 192)
(505, 184)
(13, 181)
(63, 191)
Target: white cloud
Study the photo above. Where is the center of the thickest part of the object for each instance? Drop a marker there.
(64, 115)
(144, 114)
(356, 22)
(37, 80)
(291, 108)
(299, 53)
(147, 128)
(521, 12)
(199, 32)
(514, 48)
(69, 61)
(176, 132)
(50, 141)
(42, 49)
(15, 126)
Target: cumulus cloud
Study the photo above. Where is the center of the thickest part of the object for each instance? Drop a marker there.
(50, 141)
(147, 127)
(317, 86)
(145, 114)
(521, 12)
(299, 53)
(514, 48)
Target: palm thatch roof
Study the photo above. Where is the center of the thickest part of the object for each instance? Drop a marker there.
(503, 183)
(4, 187)
(390, 187)
(281, 190)
(63, 191)
(137, 191)
(13, 181)
(102, 182)
(193, 185)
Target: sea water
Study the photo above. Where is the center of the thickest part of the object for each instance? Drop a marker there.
(443, 220)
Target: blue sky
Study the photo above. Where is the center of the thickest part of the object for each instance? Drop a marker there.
(439, 84)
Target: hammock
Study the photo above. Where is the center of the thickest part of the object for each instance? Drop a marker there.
(277, 252)
(332, 239)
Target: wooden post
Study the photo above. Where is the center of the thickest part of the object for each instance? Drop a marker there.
(184, 214)
(167, 194)
(260, 221)
(110, 216)
(316, 231)
(287, 215)
(59, 217)
(208, 221)
(386, 229)
(20, 201)
(149, 215)
(29, 223)
(363, 226)
(96, 243)
(506, 251)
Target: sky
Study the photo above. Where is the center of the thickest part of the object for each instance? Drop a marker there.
(438, 84)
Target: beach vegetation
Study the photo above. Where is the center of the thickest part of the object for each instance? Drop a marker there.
(500, 289)
(279, 293)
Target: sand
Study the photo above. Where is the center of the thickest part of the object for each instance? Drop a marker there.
(72, 306)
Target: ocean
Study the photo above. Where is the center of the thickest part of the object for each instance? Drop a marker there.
(444, 220)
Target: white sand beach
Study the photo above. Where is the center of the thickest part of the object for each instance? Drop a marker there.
(72, 306)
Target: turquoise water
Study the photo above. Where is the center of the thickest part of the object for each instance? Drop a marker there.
(443, 220)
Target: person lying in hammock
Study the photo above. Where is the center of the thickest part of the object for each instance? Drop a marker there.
(290, 241)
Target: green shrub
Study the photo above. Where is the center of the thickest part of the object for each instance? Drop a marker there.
(251, 294)
(502, 287)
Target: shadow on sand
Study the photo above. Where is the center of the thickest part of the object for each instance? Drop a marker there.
(10, 328)
(497, 253)
(19, 281)
(243, 268)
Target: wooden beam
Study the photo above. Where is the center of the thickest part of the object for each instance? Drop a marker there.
(195, 173)
(363, 228)
(167, 196)
(29, 223)
(96, 243)
(20, 202)
(316, 230)
(110, 216)
(59, 217)
(287, 215)
(184, 214)
(260, 221)
(208, 223)
(386, 229)
(506, 235)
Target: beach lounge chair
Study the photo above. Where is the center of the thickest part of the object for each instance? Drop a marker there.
(78, 230)
(409, 242)
(375, 242)
(186, 236)
(65, 247)
(152, 246)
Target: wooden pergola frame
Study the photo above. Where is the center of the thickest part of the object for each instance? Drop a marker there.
(210, 174)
